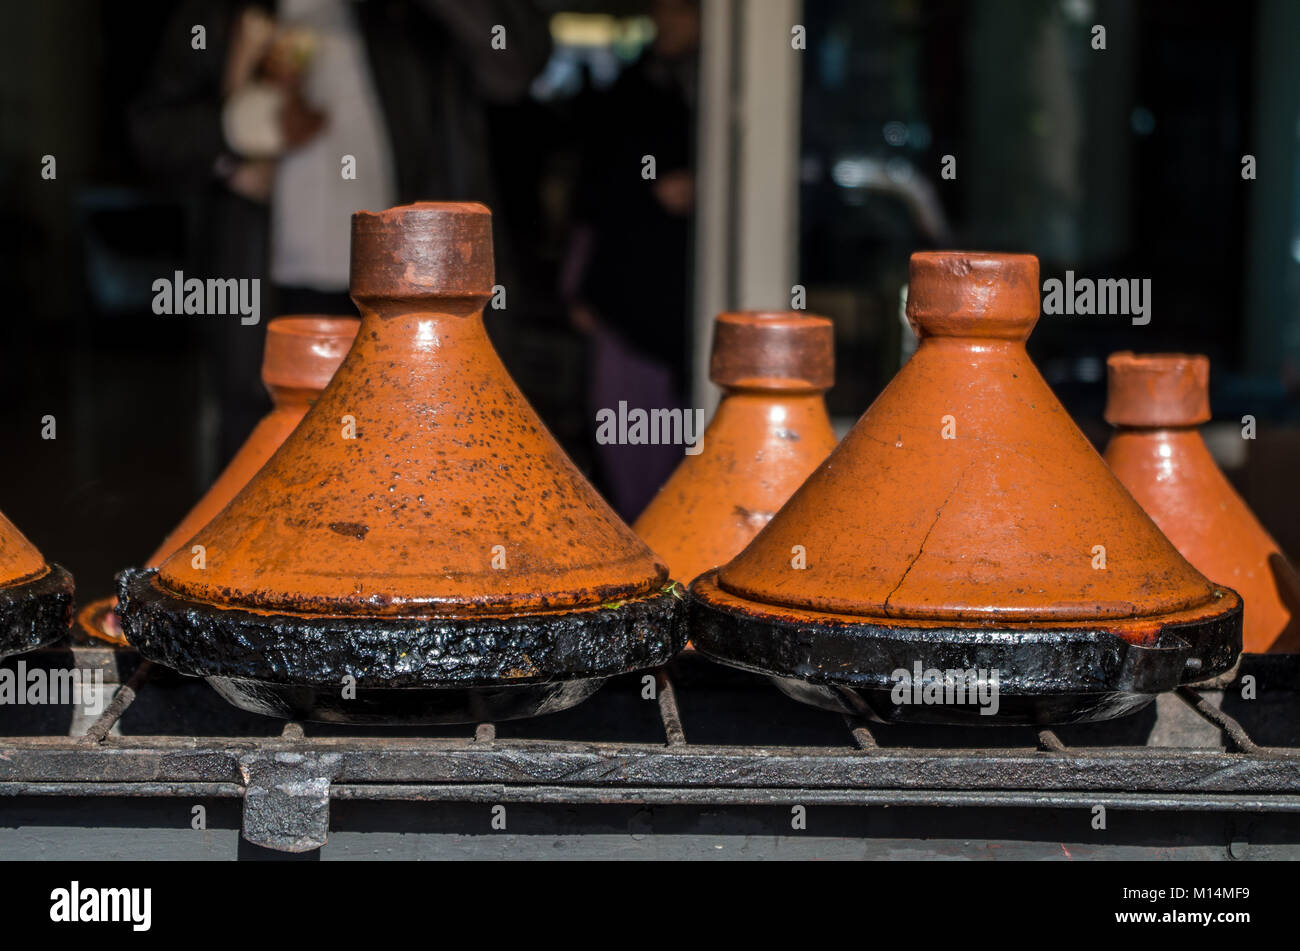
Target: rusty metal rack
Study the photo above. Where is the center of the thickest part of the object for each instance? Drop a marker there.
(699, 736)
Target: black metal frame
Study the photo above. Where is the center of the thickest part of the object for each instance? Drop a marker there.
(287, 781)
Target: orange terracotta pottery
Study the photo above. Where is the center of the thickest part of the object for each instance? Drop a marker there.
(964, 555)
(302, 352)
(420, 549)
(769, 433)
(35, 596)
(1156, 402)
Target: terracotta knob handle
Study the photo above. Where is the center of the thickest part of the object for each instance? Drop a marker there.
(971, 294)
(1157, 389)
(302, 352)
(772, 350)
(433, 250)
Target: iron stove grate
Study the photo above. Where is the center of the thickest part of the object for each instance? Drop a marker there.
(716, 737)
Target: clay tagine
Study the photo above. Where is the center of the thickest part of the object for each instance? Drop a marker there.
(35, 596)
(769, 433)
(302, 352)
(965, 555)
(1156, 402)
(420, 549)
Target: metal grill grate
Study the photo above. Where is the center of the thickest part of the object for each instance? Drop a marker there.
(711, 736)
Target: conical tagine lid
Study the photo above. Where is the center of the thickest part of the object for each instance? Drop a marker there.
(769, 433)
(1156, 403)
(419, 490)
(420, 465)
(35, 597)
(966, 500)
(302, 352)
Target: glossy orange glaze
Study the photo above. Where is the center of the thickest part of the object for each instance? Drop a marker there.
(420, 482)
(1156, 402)
(769, 433)
(1002, 522)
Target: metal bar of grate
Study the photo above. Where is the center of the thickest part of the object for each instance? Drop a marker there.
(652, 795)
(668, 712)
(53, 760)
(649, 795)
(1143, 768)
(1049, 742)
(857, 722)
(1231, 728)
(123, 697)
(863, 738)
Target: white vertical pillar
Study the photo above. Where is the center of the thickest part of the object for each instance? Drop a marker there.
(747, 164)
(767, 154)
(713, 174)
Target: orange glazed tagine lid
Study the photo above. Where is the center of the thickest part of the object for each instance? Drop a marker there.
(769, 433)
(419, 549)
(964, 555)
(1156, 402)
(35, 596)
(302, 352)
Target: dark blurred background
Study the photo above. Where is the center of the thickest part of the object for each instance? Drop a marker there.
(1122, 162)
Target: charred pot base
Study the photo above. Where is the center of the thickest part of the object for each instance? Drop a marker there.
(410, 706)
(965, 708)
(35, 612)
(949, 675)
(400, 670)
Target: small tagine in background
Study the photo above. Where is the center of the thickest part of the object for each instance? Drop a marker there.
(35, 596)
(302, 353)
(769, 433)
(1157, 402)
(420, 549)
(965, 527)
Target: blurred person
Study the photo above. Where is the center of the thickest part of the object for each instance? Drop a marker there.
(264, 123)
(626, 278)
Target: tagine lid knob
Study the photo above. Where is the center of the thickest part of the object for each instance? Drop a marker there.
(973, 294)
(1150, 390)
(426, 249)
(772, 350)
(303, 350)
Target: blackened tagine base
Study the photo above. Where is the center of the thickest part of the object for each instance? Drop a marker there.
(1045, 675)
(34, 613)
(429, 670)
(404, 706)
